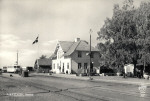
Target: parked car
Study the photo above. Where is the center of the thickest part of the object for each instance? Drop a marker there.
(0, 71)
(4, 69)
(13, 69)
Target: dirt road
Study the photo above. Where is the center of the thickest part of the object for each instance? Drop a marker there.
(46, 88)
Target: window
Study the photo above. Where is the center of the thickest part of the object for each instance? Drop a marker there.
(63, 64)
(67, 65)
(79, 54)
(85, 65)
(57, 65)
(63, 68)
(92, 55)
(79, 65)
(54, 66)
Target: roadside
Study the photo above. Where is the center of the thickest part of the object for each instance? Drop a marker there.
(44, 87)
(114, 79)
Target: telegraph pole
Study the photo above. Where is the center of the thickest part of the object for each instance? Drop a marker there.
(90, 53)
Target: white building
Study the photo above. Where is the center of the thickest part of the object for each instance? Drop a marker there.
(71, 57)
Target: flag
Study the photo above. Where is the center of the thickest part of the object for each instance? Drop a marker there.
(36, 40)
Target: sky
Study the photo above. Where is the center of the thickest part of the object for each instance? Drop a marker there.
(21, 21)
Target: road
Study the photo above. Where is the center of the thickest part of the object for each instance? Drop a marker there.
(47, 88)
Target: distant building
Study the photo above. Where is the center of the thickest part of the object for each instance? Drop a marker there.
(43, 65)
(27, 68)
(72, 57)
(129, 69)
(4, 69)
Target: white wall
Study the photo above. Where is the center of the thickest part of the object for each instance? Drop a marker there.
(59, 65)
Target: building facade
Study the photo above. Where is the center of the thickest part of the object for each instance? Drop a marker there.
(43, 65)
(73, 58)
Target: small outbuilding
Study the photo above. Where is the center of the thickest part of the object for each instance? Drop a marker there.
(129, 69)
(43, 65)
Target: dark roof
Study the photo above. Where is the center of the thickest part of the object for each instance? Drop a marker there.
(45, 62)
(69, 47)
(72, 48)
(79, 46)
(65, 45)
(84, 46)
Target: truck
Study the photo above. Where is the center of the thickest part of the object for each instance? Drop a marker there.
(13, 69)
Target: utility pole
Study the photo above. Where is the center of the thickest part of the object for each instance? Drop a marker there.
(144, 66)
(90, 53)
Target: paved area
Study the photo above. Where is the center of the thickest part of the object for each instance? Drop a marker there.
(42, 87)
(115, 79)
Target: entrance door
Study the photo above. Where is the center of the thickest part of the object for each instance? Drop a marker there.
(91, 69)
(85, 67)
(63, 68)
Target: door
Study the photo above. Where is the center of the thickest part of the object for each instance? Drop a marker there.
(63, 68)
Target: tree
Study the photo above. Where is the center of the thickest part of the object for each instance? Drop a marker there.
(43, 57)
(128, 5)
(142, 20)
(128, 33)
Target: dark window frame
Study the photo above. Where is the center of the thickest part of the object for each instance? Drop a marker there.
(92, 55)
(54, 65)
(85, 65)
(57, 65)
(79, 54)
(79, 65)
(67, 65)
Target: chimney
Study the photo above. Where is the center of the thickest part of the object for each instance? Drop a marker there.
(77, 39)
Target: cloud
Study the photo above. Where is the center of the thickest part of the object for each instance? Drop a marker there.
(50, 42)
(6, 58)
(12, 42)
(8, 41)
(28, 53)
(22, 20)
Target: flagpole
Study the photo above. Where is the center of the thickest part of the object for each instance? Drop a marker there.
(38, 53)
(38, 47)
(34, 42)
(90, 69)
